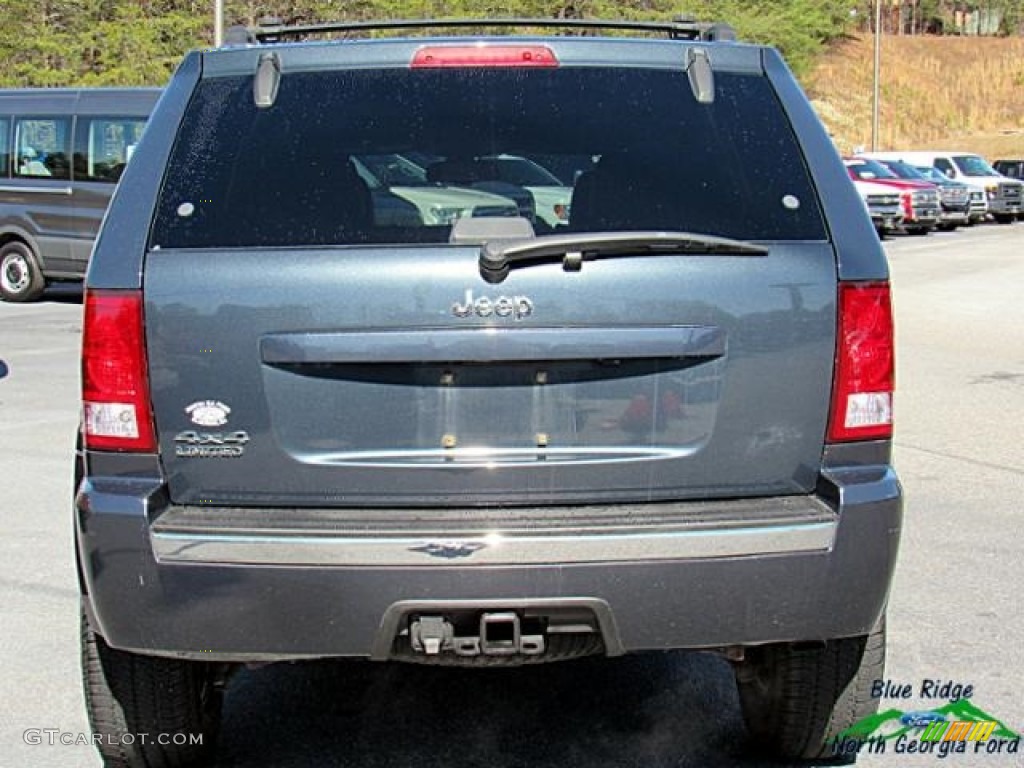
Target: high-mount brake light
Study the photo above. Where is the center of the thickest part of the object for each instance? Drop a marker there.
(117, 412)
(863, 386)
(484, 55)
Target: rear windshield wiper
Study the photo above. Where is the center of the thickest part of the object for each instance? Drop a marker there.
(498, 257)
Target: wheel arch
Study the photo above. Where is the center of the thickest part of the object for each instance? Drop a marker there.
(78, 476)
(14, 234)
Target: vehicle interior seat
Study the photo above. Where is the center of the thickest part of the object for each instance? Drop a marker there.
(57, 165)
(454, 170)
(625, 192)
(619, 193)
(308, 201)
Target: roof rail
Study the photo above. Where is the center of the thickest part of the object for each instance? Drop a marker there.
(271, 29)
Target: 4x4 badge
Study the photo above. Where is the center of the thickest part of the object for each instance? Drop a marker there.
(516, 307)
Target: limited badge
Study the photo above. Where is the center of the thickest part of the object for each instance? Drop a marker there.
(208, 413)
(210, 445)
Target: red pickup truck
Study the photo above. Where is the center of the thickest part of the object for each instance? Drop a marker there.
(918, 199)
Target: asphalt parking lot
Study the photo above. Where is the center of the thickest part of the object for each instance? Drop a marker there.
(955, 613)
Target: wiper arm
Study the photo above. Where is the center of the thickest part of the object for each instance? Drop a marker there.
(498, 257)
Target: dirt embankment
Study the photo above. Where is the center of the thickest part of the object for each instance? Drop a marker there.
(936, 92)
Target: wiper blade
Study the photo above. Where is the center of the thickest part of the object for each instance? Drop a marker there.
(498, 257)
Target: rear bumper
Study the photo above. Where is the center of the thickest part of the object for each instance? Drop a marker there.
(214, 585)
(316, 538)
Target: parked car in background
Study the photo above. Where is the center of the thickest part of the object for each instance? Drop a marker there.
(883, 205)
(919, 200)
(403, 196)
(543, 198)
(550, 196)
(977, 201)
(1012, 168)
(62, 152)
(1005, 197)
(954, 197)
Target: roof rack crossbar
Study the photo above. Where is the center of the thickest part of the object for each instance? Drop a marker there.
(680, 29)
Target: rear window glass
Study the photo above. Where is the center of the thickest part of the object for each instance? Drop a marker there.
(398, 155)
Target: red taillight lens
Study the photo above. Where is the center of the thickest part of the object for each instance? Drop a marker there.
(115, 391)
(484, 55)
(863, 386)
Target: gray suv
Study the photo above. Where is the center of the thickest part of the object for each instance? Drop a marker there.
(321, 421)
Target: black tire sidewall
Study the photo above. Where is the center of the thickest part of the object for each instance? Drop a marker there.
(125, 695)
(798, 698)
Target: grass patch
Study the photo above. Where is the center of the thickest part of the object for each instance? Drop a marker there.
(936, 92)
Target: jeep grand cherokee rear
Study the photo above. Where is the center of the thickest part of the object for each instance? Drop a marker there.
(313, 428)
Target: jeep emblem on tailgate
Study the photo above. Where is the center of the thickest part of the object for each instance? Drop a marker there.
(516, 307)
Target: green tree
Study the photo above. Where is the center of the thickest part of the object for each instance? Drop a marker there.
(131, 42)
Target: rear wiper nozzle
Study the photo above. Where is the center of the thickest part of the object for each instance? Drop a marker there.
(497, 258)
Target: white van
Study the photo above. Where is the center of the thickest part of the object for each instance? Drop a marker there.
(1005, 196)
(62, 151)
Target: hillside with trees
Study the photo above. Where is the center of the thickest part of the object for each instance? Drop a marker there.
(139, 42)
(957, 92)
(951, 69)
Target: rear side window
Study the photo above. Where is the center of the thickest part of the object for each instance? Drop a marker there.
(397, 155)
(5, 147)
(103, 146)
(43, 147)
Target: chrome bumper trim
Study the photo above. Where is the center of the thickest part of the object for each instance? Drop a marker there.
(438, 550)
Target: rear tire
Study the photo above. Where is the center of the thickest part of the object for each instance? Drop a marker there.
(20, 276)
(128, 694)
(797, 698)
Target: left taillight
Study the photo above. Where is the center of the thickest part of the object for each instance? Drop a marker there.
(117, 411)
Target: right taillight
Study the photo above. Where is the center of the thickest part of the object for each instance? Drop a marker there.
(117, 414)
(863, 385)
